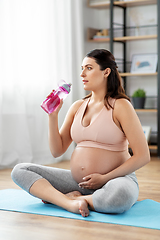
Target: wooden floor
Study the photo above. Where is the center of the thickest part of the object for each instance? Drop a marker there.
(20, 226)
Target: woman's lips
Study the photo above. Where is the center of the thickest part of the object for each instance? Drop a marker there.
(85, 81)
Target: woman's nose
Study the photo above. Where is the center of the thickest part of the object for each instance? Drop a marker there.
(82, 73)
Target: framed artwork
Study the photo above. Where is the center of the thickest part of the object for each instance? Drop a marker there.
(147, 132)
(144, 63)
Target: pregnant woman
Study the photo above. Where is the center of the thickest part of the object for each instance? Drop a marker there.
(102, 176)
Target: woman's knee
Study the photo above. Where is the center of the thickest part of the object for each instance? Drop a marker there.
(20, 175)
(123, 199)
(16, 172)
(115, 197)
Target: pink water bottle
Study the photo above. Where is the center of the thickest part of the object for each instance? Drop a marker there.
(51, 103)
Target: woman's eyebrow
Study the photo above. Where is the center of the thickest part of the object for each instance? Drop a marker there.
(87, 65)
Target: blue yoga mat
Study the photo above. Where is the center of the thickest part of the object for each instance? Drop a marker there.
(144, 213)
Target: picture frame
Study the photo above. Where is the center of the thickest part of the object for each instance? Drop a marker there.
(144, 63)
(147, 132)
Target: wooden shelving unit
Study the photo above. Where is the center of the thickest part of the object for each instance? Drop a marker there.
(123, 40)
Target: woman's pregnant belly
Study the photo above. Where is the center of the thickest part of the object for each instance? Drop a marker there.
(85, 161)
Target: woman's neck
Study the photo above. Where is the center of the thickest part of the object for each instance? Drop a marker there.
(97, 98)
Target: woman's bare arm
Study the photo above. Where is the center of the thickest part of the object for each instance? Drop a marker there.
(59, 140)
(129, 122)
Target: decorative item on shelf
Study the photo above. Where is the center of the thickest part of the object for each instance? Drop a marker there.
(101, 34)
(144, 63)
(143, 30)
(139, 97)
(136, 17)
(147, 132)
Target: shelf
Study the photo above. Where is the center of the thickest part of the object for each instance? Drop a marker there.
(128, 74)
(91, 32)
(124, 39)
(153, 147)
(133, 38)
(122, 4)
(99, 40)
(134, 3)
(146, 110)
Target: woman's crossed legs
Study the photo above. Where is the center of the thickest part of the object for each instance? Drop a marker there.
(58, 187)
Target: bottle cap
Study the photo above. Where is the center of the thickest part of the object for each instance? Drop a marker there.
(67, 87)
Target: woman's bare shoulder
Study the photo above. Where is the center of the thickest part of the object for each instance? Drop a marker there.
(125, 115)
(124, 109)
(123, 104)
(75, 106)
(78, 103)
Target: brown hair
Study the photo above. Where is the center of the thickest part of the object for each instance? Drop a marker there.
(114, 87)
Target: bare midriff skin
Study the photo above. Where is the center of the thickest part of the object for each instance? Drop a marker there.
(89, 160)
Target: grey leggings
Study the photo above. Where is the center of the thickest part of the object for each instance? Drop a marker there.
(116, 196)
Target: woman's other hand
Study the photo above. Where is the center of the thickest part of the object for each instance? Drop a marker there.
(93, 181)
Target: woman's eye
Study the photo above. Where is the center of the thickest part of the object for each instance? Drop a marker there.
(89, 68)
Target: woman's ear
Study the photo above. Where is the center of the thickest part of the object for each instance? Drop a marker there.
(107, 71)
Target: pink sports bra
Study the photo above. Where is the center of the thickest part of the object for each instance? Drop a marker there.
(101, 133)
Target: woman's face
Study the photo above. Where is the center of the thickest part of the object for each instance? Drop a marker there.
(93, 78)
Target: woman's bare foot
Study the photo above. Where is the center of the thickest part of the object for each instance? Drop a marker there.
(83, 208)
(73, 195)
(79, 206)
